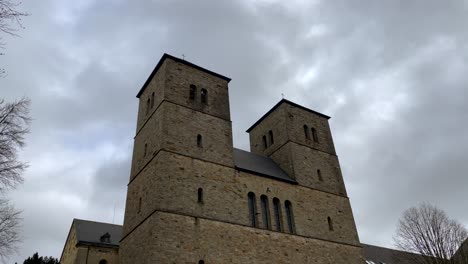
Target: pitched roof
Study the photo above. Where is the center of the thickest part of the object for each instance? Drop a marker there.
(90, 232)
(260, 165)
(286, 102)
(167, 56)
(388, 256)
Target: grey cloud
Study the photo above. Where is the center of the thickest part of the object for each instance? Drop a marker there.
(391, 74)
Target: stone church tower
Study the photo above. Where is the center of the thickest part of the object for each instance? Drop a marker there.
(193, 198)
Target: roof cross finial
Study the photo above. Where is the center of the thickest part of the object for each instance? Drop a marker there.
(282, 95)
(183, 56)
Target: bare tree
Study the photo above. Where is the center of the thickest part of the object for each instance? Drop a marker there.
(10, 222)
(14, 125)
(10, 21)
(428, 231)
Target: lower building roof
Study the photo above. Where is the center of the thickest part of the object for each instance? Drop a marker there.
(95, 233)
(260, 165)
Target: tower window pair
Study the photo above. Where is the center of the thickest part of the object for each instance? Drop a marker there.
(203, 94)
(307, 133)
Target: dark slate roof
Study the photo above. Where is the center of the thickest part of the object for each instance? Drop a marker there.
(387, 256)
(286, 102)
(89, 232)
(166, 56)
(259, 165)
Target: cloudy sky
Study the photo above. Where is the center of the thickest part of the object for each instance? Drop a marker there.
(392, 74)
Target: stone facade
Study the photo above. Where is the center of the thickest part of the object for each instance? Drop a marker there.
(187, 201)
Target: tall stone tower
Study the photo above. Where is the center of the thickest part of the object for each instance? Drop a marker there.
(193, 198)
(299, 140)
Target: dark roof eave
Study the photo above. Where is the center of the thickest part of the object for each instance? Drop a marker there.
(290, 103)
(97, 244)
(166, 56)
(267, 176)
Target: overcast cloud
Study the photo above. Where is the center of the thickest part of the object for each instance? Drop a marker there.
(392, 74)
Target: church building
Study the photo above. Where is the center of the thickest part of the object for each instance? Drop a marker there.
(194, 198)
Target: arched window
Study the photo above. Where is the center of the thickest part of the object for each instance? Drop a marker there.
(252, 210)
(200, 195)
(148, 102)
(145, 150)
(330, 224)
(193, 92)
(152, 100)
(270, 134)
(277, 212)
(139, 205)
(319, 174)
(199, 141)
(201, 262)
(103, 261)
(265, 144)
(306, 132)
(265, 212)
(204, 96)
(314, 135)
(289, 216)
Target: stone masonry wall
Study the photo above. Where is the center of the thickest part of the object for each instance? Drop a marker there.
(96, 254)
(170, 183)
(307, 161)
(301, 157)
(175, 128)
(172, 238)
(156, 86)
(277, 122)
(69, 252)
(179, 79)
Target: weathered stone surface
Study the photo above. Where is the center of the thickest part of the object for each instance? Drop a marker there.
(173, 238)
(170, 183)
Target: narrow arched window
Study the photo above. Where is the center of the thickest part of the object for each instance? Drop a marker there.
(152, 100)
(306, 132)
(314, 135)
(200, 195)
(193, 92)
(201, 262)
(204, 96)
(319, 175)
(289, 216)
(270, 134)
(139, 205)
(265, 144)
(330, 224)
(252, 210)
(145, 150)
(199, 141)
(103, 261)
(148, 102)
(265, 212)
(277, 213)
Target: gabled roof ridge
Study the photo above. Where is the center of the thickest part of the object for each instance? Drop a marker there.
(167, 56)
(286, 102)
(91, 221)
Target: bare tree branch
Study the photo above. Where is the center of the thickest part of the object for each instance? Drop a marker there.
(10, 22)
(428, 231)
(10, 223)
